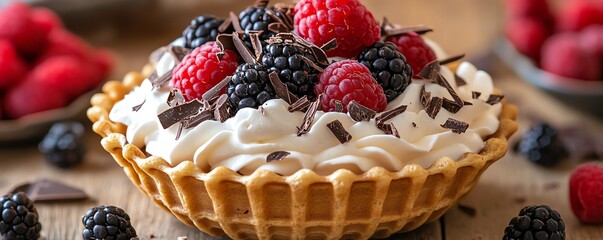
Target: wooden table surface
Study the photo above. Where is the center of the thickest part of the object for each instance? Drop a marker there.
(461, 26)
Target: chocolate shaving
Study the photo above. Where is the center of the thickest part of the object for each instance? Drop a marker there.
(243, 50)
(137, 107)
(470, 211)
(389, 128)
(221, 111)
(459, 80)
(430, 71)
(320, 55)
(455, 125)
(399, 31)
(225, 41)
(330, 45)
(309, 117)
(236, 24)
(382, 117)
(282, 91)
(425, 96)
(475, 95)
(451, 59)
(165, 78)
(434, 106)
(178, 113)
(224, 26)
(360, 113)
(339, 131)
(468, 103)
(277, 156)
(199, 118)
(45, 190)
(443, 82)
(451, 106)
(257, 46)
(278, 20)
(178, 53)
(338, 106)
(179, 131)
(300, 105)
(278, 27)
(211, 93)
(311, 64)
(175, 98)
(494, 99)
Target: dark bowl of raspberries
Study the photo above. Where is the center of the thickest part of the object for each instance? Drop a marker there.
(558, 48)
(48, 73)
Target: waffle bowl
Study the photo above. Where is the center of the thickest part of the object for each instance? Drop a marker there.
(305, 205)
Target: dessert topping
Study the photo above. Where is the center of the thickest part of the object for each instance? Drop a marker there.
(339, 131)
(277, 156)
(300, 105)
(309, 116)
(360, 113)
(455, 125)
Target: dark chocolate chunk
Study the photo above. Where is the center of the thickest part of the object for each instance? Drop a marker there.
(339, 131)
(211, 93)
(455, 125)
(425, 97)
(444, 83)
(451, 106)
(178, 113)
(175, 98)
(434, 106)
(257, 46)
(338, 106)
(318, 53)
(300, 105)
(430, 71)
(459, 80)
(475, 95)
(389, 114)
(49, 190)
(243, 50)
(389, 128)
(451, 59)
(360, 113)
(137, 107)
(225, 42)
(312, 64)
(494, 99)
(221, 111)
(309, 117)
(282, 91)
(277, 156)
(470, 211)
(199, 118)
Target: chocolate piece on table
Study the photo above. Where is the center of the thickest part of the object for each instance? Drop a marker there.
(277, 156)
(49, 190)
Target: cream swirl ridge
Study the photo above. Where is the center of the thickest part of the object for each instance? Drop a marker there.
(243, 142)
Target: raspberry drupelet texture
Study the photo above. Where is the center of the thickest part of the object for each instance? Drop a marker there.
(388, 66)
(250, 87)
(347, 21)
(19, 218)
(413, 47)
(349, 80)
(107, 222)
(202, 29)
(586, 192)
(202, 69)
(536, 222)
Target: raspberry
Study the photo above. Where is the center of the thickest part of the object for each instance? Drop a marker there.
(580, 14)
(66, 75)
(17, 26)
(538, 10)
(31, 97)
(202, 29)
(413, 47)
(347, 21)
(586, 193)
(562, 54)
(201, 70)
(536, 222)
(388, 67)
(107, 222)
(528, 36)
(46, 19)
(19, 219)
(62, 42)
(103, 60)
(250, 87)
(349, 80)
(592, 38)
(13, 67)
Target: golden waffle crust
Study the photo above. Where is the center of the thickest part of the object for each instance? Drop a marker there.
(305, 205)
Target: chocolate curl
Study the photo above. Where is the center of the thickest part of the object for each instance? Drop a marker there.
(235, 23)
(225, 41)
(451, 59)
(459, 80)
(494, 99)
(199, 118)
(286, 12)
(212, 92)
(243, 50)
(257, 46)
(430, 71)
(179, 113)
(175, 98)
(382, 117)
(300, 105)
(277, 156)
(339, 131)
(311, 64)
(338, 106)
(309, 117)
(443, 82)
(278, 28)
(282, 91)
(434, 107)
(359, 112)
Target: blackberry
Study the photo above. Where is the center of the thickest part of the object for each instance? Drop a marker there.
(536, 222)
(286, 59)
(250, 86)
(541, 145)
(19, 219)
(258, 17)
(107, 222)
(388, 66)
(202, 29)
(63, 145)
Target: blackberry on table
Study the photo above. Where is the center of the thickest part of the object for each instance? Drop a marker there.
(202, 29)
(287, 60)
(250, 87)
(63, 145)
(19, 219)
(536, 222)
(541, 145)
(388, 66)
(107, 222)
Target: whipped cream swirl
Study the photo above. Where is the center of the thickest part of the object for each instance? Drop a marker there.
(243, 142)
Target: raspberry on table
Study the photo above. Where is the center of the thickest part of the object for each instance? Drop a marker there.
(63, 146)
(388, 66)
(349, 80)
(538, 222)
(347, 21)
(564, 55)
(107, 222)
(202, 69)
(541, 145)
(586, 192)
(413, 47)
(202, 29)
(19, 219)
(13, 67)
(250, 87)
